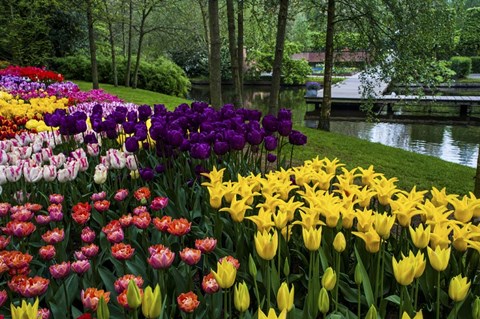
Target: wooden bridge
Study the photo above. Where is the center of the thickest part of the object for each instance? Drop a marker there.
(349, 92)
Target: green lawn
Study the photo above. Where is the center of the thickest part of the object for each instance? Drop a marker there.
(410, 168)
(137, 96)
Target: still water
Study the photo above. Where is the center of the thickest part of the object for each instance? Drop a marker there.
(458, 144)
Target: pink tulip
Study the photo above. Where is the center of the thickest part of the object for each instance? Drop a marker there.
(59, 271)
(80, 266)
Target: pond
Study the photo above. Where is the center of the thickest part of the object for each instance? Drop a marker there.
(458, 144)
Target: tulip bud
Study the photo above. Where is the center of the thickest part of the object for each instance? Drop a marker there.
(339, 242)
(372, 313)
(476, 308)
(102, 309)
(252, 268)
(358, 275)
(285, 297)
(133, 295)
(241, 297)
(323, 301)
(286, 268)
(152, 302)
(329, 279)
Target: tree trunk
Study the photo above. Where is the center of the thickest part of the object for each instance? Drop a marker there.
(232, 48)
(277, 62)
(139, 51)
(129, 45)
(93, 48)
(114, 60)
(240, 45)
(324, 122)
(476, 191)
(111, 40)
(215, 58)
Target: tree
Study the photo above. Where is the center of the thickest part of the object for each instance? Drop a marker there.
(109, 16)
(215, 52)
(232, 48)
(129, 43)
(277, 62)
(398, 35)
(92, 45)
(324, 122)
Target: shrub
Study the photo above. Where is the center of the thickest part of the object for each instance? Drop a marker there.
(461, 65)
(162, 75)
(475, 64)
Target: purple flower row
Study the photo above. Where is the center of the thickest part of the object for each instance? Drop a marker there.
(198, 129)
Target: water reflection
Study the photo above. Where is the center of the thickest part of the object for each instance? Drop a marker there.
(458, 144)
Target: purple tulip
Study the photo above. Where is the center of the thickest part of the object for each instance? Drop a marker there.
(144, 112)
(200, 150)
(271, 157)
(284, 127)
(297, 138)
(220, 148)
(131, 144)
(147, 174)
(270, 143)
(284, 115)
(270, 123)
(174, 138)
(255, 137)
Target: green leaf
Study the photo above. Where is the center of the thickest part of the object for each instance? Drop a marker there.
(394, 299)
(108, 278)
(367, 287)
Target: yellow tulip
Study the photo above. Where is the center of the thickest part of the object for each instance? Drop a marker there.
(339, 243)
(331, 166)
(383, 224)
(348, 215)
(216, 196)
(237, 209)
(290, 207)
(462, 235)
(263, 220)
(440, 197)
(364, 196)
(368, 176)
(364, 219)
(241, 297)
(371, 239)
(458, 288)
(420, 263)
(225, 275)
(266, 244)
(440, 237)
(418, 315)
(312, 238)
(439, 257)
(331, 211)
(134, 298)
(102, 309)
(404, 270)
(280, 219)
(385, 189)
(323, 301)
(285, 297)
(152, 302)
(26, 311)
(215, 176)
(403, 210)
(464, 208)
(329, 279)
(420, 236)
(272, 314)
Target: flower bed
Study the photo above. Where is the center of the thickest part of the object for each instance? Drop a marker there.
(117, 210)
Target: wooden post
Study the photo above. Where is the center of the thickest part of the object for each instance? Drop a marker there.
(463, 111)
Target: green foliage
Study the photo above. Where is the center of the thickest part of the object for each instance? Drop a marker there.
(469, 42)
(462, 66)
(161, 75)
(293, 71)
(475, 64)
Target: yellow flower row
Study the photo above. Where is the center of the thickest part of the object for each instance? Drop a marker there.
(36, 107)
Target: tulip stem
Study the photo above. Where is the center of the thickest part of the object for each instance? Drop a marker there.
(225, 302)
(437, 315)
(416, 293)
(66, 299)
(377, 275)
(402, 294)
(359, 310)
(337, 270)
(267, 273)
